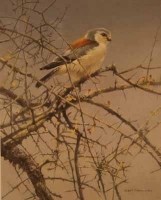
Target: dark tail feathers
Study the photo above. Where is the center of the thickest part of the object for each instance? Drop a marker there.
(46, 78)
(51, 65)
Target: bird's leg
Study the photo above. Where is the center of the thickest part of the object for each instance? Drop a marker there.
(87, 76)
(79, 88)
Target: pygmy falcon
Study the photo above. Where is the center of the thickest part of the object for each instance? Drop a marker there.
(82, 57)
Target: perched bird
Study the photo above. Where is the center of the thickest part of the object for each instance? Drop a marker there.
(82, 57)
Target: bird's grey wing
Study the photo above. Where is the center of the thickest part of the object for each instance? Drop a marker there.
(69, 56)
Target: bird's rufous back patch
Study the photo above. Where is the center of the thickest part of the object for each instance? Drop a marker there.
(80, 43)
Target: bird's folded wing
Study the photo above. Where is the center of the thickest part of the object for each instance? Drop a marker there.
(75, 51)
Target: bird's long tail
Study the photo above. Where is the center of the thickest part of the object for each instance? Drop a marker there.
(46, 78)
(51, 65)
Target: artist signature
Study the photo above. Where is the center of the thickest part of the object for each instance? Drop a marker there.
(138, 190)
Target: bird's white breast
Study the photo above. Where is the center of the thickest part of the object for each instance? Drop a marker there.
(95, 58)
(88, 63)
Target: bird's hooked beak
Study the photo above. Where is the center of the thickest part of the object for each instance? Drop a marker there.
(109, 38)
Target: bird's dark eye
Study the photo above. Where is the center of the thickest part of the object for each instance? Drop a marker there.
(104, 34)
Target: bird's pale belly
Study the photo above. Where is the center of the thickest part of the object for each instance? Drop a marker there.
(86, 64)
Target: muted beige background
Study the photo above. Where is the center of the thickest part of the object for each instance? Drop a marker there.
(133, 24)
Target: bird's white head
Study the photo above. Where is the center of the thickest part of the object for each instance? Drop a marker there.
(100, 35)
